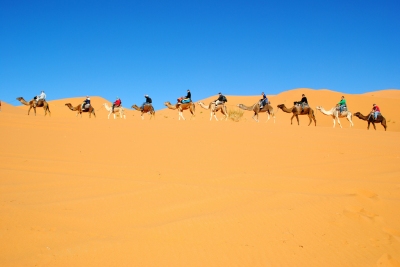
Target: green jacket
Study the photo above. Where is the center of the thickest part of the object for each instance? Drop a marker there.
(342, 102)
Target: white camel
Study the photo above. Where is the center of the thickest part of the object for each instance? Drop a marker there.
(336, 115)
(119, 110)
(214, 109)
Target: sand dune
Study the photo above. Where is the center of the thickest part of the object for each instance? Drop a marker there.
(163, 192)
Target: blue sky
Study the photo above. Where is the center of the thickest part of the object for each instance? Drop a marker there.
(162, 48)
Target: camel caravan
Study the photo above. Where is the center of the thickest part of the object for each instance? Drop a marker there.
(219, 105)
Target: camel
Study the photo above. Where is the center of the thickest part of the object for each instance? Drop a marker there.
(297, 110)
(336, 115)
(78, 108)
(181, 107)
(31, 104)
(370, 119)
(256, 108)
(146, 109)
(119, 110)
(215, 109)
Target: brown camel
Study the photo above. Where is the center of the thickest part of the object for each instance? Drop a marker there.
(181, 107)
(33, 104)
(256, 108)
(146, 109)
(214, 109)
(370, 119)
(78, 108)
(297, 110)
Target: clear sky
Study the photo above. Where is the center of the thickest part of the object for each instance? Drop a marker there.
(162, 48)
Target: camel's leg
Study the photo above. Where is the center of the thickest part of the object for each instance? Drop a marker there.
(373, 124)
(215, 116)
(141, 115)
(339, 122)
(291, 119)
(334, 122)
(349, 119)
(114, 116)
(297, 118)
(267, 117)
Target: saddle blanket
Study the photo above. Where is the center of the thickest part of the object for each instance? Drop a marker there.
(185, 101)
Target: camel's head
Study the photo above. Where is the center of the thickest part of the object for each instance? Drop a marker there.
(19, 98)
(68, 104)
(357, 114)
(167, 103)
(318, 107)
(280, 106)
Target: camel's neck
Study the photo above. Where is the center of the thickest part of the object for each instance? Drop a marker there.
(204, 106)
(136, 107)
(287, 110)
(107, 107)
(246, 107)
(23, 101)
(326, 112)
(170, 106)
(73, 108)
(361, 116)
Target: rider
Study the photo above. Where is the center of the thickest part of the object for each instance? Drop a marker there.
(86, 102)
(303, 102)
(376, 111)
(148, 101)
(117, 103)
(188, 96)
(42, 96)
(263, 100)
(221, 99)
(342, 104)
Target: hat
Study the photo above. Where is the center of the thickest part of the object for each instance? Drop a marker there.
(219, 93)
(146, 95)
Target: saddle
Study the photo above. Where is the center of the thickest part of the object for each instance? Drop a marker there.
(344, 109)
(86, 106)
(184, 101)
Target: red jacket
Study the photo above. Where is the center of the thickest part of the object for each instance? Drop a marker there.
(117, 102)
(376, 108)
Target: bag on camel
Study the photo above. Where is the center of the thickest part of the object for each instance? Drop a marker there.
(179, 99)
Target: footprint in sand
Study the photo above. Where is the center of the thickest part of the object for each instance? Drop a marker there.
(392, 232)
(387, 261)
(368, 194)
(359, 213)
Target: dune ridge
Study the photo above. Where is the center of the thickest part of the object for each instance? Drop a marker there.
(163, 192)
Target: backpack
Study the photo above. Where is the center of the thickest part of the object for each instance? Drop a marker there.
(224, 99)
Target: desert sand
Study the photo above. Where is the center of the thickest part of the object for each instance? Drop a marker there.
(130, 192)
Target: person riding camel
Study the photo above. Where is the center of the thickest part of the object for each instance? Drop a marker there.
(185, 99)
(342, 104)
(221, 99)
(116, 104)
(263, 100)
(148, 102)
(42, 96)
(85, 102)
(375, 111)
(303, 102)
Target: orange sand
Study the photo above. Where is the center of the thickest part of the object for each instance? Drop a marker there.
(163, 192)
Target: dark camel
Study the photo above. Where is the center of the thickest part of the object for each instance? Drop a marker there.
(146, 109)
(256, 108)
(78, 108)
(370, 119)
(31, 104)
(297, 110)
